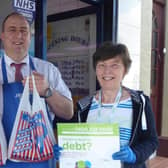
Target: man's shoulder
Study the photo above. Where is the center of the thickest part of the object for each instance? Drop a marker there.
(38, 62)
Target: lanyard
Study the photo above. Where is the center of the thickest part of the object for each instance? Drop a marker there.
(116, 102)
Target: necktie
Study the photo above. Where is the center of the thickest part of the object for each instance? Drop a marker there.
(18, 74)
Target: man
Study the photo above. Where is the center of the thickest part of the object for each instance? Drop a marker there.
(16, 39)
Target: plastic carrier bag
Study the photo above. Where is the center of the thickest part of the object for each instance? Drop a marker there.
(3, 146)
(32, 137)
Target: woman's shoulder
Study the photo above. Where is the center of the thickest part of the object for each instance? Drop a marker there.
(133, 91)
(85, 102)
(138, 95)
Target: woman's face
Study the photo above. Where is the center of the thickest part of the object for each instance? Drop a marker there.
(110, 73)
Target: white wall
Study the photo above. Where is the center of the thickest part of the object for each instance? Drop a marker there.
(145, 51)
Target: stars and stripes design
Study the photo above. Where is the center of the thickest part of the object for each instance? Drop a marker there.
(32, 142)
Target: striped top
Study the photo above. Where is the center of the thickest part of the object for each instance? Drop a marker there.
(122, 116)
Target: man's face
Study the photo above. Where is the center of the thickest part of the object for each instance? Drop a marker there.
(16, 37)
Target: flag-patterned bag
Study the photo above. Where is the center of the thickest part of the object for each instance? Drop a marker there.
(32, 137)
(3, 146)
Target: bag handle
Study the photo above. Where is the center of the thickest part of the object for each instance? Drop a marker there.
(39, 104)
(24, 104)
(36, 105)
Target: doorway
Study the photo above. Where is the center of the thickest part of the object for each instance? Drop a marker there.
(157, 61)
(157, 67)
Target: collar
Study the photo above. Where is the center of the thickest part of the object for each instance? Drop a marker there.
(85, 102)
(135, 94)
(9, 61)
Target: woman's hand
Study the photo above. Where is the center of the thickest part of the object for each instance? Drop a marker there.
(125, 154)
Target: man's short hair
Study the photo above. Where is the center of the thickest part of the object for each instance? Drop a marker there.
(12, 14)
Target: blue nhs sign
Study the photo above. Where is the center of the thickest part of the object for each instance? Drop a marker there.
(28, 5)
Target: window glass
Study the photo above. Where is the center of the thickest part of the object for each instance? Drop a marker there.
(129, 33)
(70, 46)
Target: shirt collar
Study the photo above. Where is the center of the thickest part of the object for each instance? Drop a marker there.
(9, 61)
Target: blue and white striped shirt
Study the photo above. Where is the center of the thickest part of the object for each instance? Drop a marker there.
(122, 115)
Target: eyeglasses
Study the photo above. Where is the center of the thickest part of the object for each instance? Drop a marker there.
(102, 66)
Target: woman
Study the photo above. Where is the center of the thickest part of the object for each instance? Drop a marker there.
(116, 103)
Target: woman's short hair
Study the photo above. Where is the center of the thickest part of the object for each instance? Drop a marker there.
(110, 50)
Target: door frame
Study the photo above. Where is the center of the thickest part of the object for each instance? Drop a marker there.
(163, 141)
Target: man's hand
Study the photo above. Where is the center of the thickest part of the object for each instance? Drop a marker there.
(58, 104)
(40, 81)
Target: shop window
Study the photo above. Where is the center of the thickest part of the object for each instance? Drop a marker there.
(70, 45)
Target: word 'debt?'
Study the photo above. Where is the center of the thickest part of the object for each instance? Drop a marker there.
(77, 146)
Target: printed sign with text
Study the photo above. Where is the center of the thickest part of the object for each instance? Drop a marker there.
(88, 145)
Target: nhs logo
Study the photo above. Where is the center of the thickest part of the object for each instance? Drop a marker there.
(28, 5)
